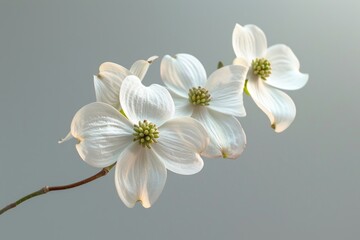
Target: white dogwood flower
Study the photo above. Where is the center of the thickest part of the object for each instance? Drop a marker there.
(108, 81)
(144, 144)
(269, 69)
(213, 101)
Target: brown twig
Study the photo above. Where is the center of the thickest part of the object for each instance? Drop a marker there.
(47, 189)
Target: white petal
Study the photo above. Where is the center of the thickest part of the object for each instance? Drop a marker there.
(140, 67)
(103, 133)
(139, 176)
(183, 108)
(285, 67)
(180, 142)
(227, 138)
(242, 62)
(114, 69)
(182, 72)
(278, 106)
(107, 88)
(226, 87)
(153, 103)
(249, 42)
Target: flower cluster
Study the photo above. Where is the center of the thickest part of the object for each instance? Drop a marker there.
(149, 130)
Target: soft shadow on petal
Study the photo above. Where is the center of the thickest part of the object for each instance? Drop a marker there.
(140, 67)
(242, 62)
(103, 133)
(277, 105)
(139, 176)
(183, 108)
(227, 137)
(182, 72)
(107, 88)
(249, 42)
(181, 140)
(226, 87)
(285, 67)
(153, 103)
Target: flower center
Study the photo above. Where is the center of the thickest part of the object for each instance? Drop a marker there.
(145, 133)
(199, 96)
(261, 67)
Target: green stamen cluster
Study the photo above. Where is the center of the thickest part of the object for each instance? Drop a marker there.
(199, 96)
(145, 133)
(261, 67)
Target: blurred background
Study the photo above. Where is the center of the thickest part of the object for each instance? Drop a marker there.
(301, 184)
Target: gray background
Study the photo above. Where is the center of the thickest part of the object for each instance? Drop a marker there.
(300, 184)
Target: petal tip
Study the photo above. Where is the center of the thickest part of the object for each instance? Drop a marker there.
(104, 64)
(306, 79)
(231, 155)
(66, 138)
(144, 204)
(237, 25)
(277, 129)
(152, 59)
(98, 77)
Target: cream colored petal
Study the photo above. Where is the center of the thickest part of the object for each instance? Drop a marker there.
(114, 69)
(180, 142)
(107, 88)
(226, 87)
(181, 73)
(153, 103)
(140, 67)
(249, 42)
(183, 108)
(242, 62)
(227, 138)
(285, 67)
(277, 105)
(103, 133)
(139, 176)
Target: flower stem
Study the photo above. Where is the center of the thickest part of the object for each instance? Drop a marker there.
(47, 189)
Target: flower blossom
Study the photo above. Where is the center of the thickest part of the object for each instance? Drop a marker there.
(108, 81)
(269, 69)
(214, 101)
(145, 143)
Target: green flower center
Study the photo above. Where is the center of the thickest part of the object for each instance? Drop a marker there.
(261, 67)
(199, 96)
(145, 133)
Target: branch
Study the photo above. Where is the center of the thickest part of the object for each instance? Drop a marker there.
(47, 189)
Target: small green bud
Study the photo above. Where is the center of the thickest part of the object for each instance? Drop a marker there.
(220, 65)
